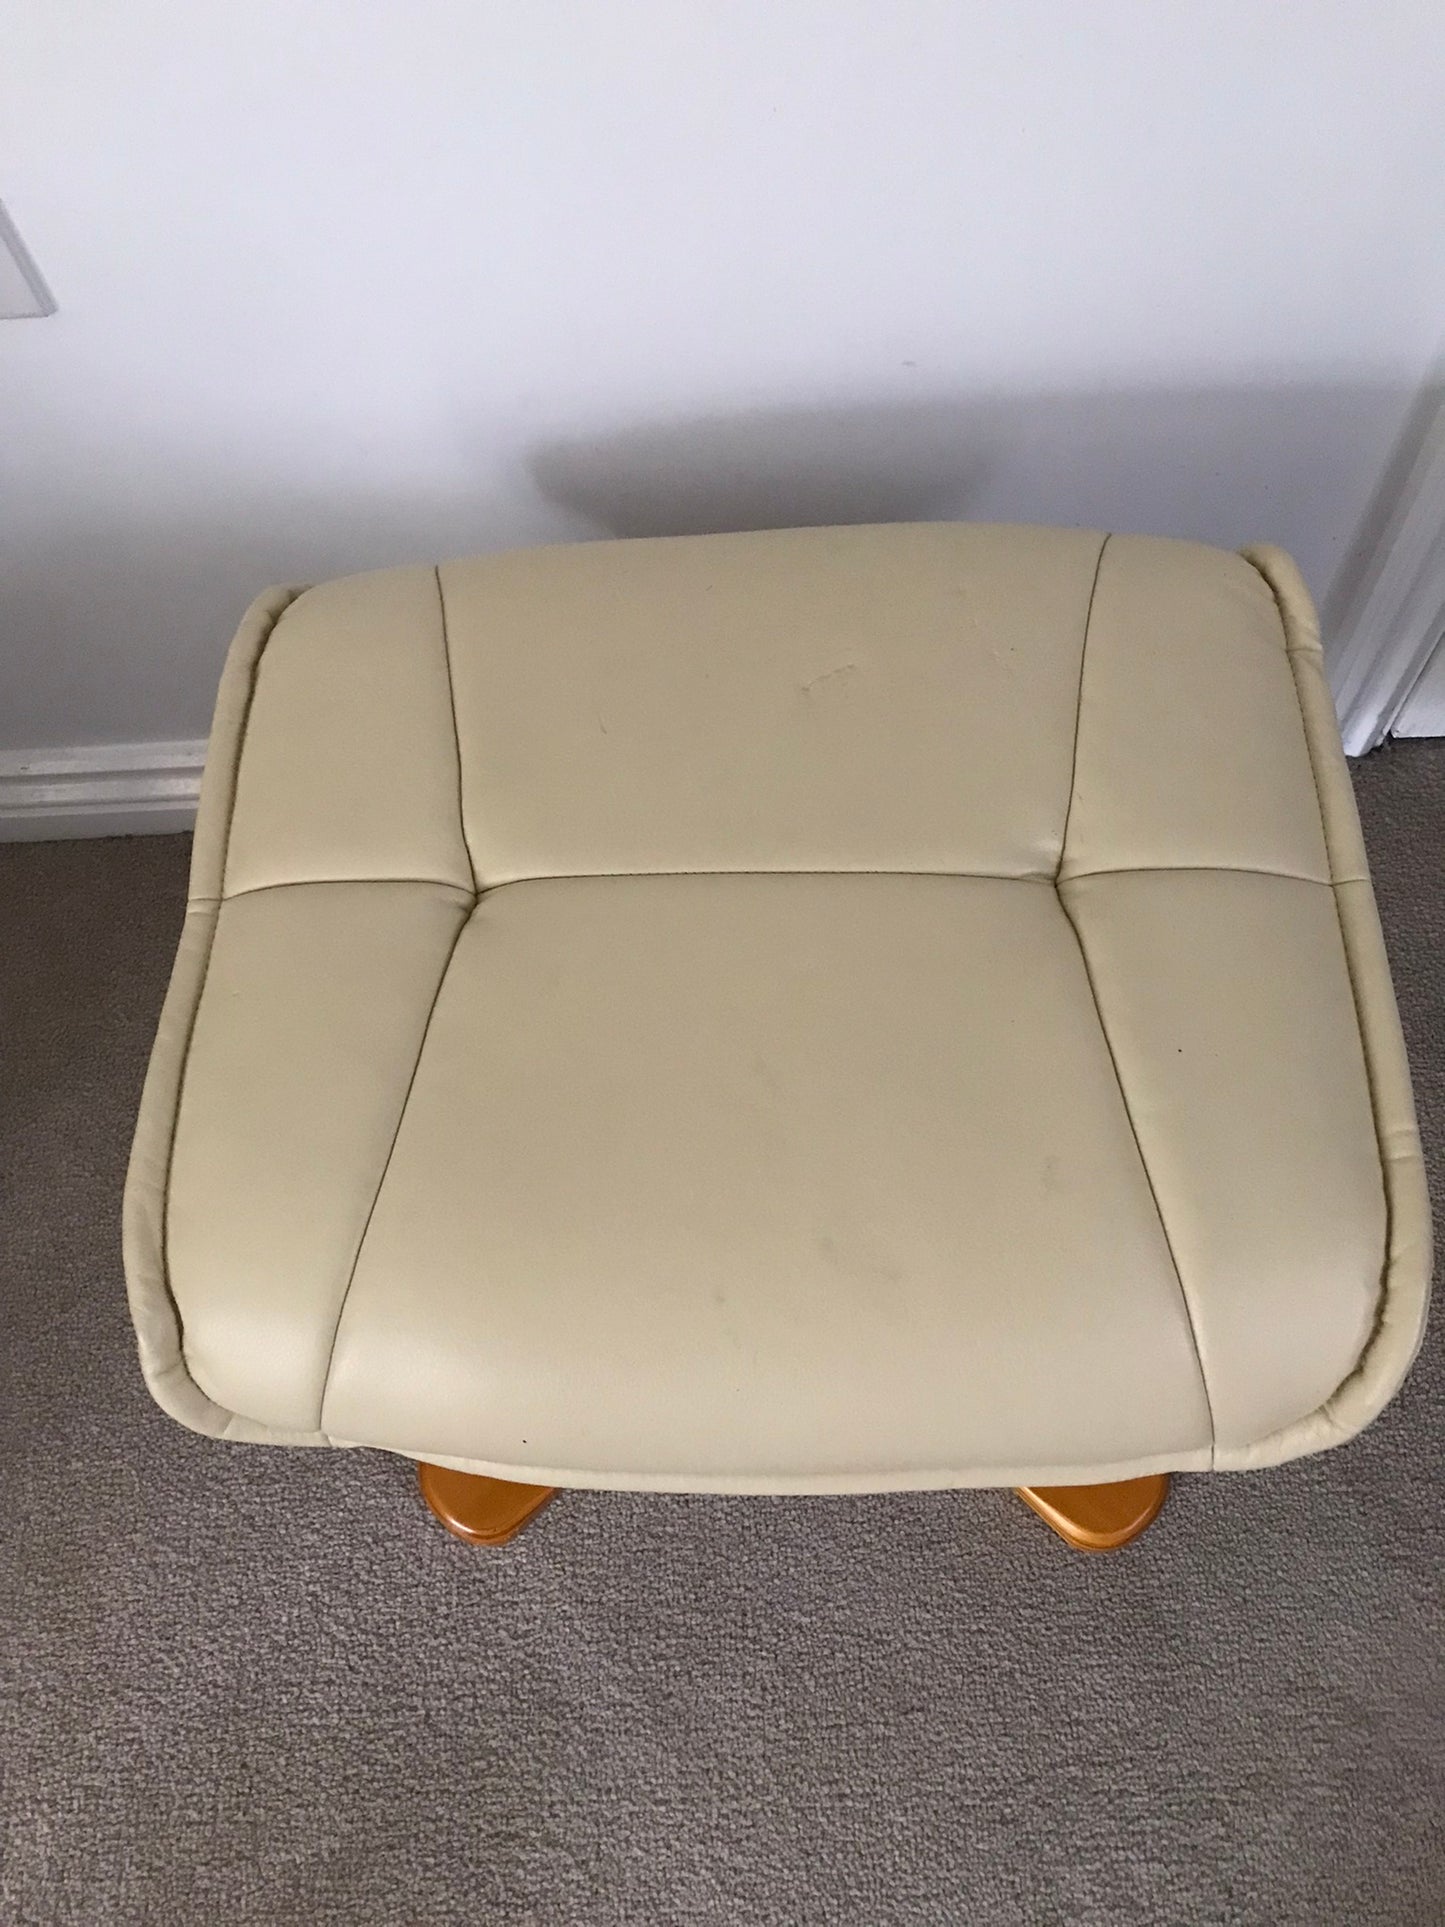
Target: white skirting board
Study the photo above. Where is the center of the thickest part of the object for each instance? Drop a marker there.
(102, 789)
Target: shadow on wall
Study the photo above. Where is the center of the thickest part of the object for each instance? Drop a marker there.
(1293, 465)
(115, 619)
(116, 610)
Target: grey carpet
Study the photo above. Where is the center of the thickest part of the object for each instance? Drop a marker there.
(261, 1686)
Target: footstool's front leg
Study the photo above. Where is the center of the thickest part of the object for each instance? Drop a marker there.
(1098, 1518)
(484, 1512)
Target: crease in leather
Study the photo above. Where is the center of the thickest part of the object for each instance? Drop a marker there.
(386, 1163)
(1296, 650)
(456, 728)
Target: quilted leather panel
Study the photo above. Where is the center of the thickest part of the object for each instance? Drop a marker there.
(1191, 752)
(350, 760)
(711, 1175)
(817, 699)
(1253, 1114)
(315, 1004)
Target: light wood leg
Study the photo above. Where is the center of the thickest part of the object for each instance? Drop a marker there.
(1098, 1518)
(484, 1512)
(1090, 1518)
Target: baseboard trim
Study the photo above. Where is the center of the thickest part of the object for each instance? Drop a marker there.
(99, 789)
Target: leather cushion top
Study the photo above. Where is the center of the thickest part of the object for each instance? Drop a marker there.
(811, 1010)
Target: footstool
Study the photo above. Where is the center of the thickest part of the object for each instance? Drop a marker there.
(824, 1011)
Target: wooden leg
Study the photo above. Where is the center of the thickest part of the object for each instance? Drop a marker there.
(1091, 1518)
(1098, 1518)
(484, 1512)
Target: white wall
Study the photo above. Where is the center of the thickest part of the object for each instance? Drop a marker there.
(343, 282)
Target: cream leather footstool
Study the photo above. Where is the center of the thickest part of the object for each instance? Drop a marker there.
(829, 1011)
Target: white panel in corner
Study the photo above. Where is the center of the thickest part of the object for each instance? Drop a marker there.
(1424, 710)
(102, 789)
(1395, 617)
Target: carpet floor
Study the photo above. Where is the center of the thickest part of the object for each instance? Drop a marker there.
(261, 1686)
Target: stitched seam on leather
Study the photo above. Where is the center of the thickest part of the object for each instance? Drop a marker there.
(385, 1167)
(1079, 709)
(308, 883)
(1144, 1167)
(205, 971)
(456, 727)
(1197, 869)
(633, 876)
(1292, 654)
